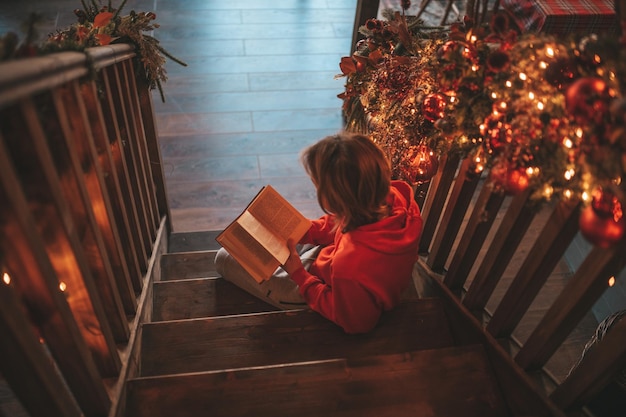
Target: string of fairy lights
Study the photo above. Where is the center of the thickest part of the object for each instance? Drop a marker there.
(533, 110)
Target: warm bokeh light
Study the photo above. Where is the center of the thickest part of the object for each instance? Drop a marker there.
(611, 281)
(6, 278)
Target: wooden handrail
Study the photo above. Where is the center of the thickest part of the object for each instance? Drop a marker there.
(82, 218)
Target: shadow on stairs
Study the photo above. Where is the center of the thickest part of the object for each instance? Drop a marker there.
(212, 349)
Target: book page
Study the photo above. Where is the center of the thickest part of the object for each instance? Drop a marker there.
(257, 238)
(278, 215)
(248, 252)
(274, 244)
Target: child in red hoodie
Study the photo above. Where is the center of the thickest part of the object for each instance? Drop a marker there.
(355, 261)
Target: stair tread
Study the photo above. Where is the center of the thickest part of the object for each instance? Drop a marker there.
(455, 381)
(193, 241)
(285, 336)
(202, 297)
(185, 265)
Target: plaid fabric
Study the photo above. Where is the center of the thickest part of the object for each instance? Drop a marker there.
(563, 16)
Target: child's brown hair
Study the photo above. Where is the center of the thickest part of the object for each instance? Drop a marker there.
(352, 176)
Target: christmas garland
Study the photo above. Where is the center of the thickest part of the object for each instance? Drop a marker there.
(98, 25)
(539, 111)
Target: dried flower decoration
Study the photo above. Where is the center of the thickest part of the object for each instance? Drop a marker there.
(99, 25)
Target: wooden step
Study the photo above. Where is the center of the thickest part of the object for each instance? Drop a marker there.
(186, 265)
(449, 382)
(193, 241)
(285, 336)
(202, 297)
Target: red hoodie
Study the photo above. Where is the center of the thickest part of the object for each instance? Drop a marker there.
(359, 274)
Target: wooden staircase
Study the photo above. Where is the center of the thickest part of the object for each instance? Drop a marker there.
(212, 349)
(101, 316)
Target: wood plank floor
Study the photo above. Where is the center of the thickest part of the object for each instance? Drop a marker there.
(259, 88)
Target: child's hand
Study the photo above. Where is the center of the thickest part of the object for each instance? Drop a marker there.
(293, 263)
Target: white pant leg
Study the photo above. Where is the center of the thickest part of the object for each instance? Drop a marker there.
(279, 291)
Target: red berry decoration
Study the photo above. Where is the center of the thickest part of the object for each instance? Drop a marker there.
(602, 222)
(587, 99)
(455, 50)
(433, 107)
(516, 181)
(425, 164)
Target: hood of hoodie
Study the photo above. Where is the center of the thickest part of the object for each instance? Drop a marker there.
(399, 232)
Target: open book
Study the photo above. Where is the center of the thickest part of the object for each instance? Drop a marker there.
(258, 237)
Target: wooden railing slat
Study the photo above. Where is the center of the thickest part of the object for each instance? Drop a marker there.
(120, 233)
(436, 198)
(507, 238)
(66, 226)
(545, 253)
(114, 283)
(38, 284)
(38, 385)
(92, 124)
(142, 148)
(133, 160)
(601, 364)
(115, 117)
(576, 299)
(483, 215)
(452, 219)
(154, 150)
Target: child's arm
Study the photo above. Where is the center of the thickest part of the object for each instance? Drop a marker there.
(321, 231)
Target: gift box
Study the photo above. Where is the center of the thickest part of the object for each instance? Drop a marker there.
(562, 17)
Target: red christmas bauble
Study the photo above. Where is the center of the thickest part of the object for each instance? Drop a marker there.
(425, 164)
(516, 181)
(587, 99)
(433, 106)
(602, 222)
(561, 72)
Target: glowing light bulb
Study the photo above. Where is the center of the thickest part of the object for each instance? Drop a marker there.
(540, 105)
(509, 84)
(63, 286)
(523, 76)
(569, 174)
(531, 95)
(548, 191)
(550, 52)
(611, 281)
(568, 193)
(586, 196)
(543, 65)
(6, 278)
(532, 171)
(567, 142)
(494, 95)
